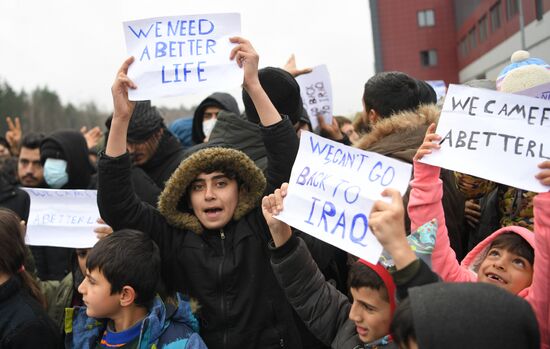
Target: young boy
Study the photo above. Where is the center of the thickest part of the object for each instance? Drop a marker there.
(326, 312)
(209, 227)
(122, 272)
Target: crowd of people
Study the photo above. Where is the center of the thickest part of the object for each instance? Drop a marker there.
(191, 255)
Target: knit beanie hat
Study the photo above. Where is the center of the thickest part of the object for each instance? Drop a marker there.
(283, 91)
(524, 72)
(145, 121)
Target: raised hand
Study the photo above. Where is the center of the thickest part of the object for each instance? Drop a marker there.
(331, 131)
(290, 67)
(247, 58)
(387, 223)
(429, 144)
(272, 205)
(92, 136)
(122, 105)
(544, 175)
(14, 134)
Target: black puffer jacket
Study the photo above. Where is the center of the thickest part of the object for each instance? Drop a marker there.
(227, 270)
(324, 310)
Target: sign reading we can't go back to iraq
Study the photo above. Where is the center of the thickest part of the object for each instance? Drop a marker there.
(493, 135)
(332, 189)
(182, 54)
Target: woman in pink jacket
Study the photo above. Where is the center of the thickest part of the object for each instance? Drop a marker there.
(505, 258)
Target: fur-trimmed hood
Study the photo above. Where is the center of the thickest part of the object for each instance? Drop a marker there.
(400, 135)
(173, 201)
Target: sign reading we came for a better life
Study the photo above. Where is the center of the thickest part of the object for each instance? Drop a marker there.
(332, 189)
(182, 54)
(493, 135)
(62, 218)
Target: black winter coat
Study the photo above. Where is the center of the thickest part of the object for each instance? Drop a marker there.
(23, 322)
(228, 271)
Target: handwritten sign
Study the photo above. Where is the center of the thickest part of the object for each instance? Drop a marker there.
(316, 93)
(494, 135)
(182, 54)
(332, 189)
(541, 91)
(62, 218)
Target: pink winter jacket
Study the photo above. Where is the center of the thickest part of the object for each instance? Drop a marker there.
(425, 205)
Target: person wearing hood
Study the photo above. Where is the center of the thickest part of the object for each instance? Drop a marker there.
(464, 315)
(505, 258)
(209, 228)
(206, 114)
(64, 157)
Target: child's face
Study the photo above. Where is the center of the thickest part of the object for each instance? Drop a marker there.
(214, 199)
(96, 294)
(505, 269)
(371, 314)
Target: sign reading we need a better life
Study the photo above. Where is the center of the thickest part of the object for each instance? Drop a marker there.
(332, 189)
(62, 218)
(182, 54)
(493, 135)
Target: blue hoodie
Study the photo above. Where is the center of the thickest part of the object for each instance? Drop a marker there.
(164, 327)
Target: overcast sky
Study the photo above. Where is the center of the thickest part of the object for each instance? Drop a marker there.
(76, 47)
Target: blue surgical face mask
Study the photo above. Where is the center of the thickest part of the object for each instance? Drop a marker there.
(55, 173)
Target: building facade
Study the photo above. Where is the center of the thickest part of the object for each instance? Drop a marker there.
(458, 40)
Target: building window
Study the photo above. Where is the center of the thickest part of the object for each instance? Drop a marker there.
(512, 8)
(426, 18)
(463, 47)
(483, 28)
(538, 10)
(472, 38)
(495, 16)
(428, 58)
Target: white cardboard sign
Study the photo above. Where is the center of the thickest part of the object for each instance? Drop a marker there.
(493, 135)
(62, 218)
(316, 93)
(332, 189)
(182, 54)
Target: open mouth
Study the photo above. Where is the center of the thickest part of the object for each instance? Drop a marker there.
(213, 211)
(495, 278)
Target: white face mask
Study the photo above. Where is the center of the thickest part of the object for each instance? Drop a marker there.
(208, 126)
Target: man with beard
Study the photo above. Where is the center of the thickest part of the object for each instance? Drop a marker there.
(29, 168)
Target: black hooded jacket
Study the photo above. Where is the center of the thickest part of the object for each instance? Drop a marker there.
(222, 100)
(75, 152)
(227, 270)
(14, 198)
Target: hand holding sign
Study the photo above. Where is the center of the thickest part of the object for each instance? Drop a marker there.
(272, 205)
(122, 105)
(331, 131)
(544, 175)
(387, 223)
(429, 143)
(246, 58)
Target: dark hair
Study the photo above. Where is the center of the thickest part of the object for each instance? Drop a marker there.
(128, 258)
(402, 325)
(362, 276)
(391, 92)
(342, 120)
(32, 140)
(514, 243)
(13, 252)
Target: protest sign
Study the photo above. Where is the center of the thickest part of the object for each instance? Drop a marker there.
(493, 135)
(62, 218)
(316, 93)
(541, 91)
(182, 54)
(332, 189)
(439, 87)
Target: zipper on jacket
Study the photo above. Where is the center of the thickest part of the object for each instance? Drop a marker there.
(222, 298)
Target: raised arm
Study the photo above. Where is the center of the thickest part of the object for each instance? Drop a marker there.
(320, 306)
(425, 204)
(539, 295)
